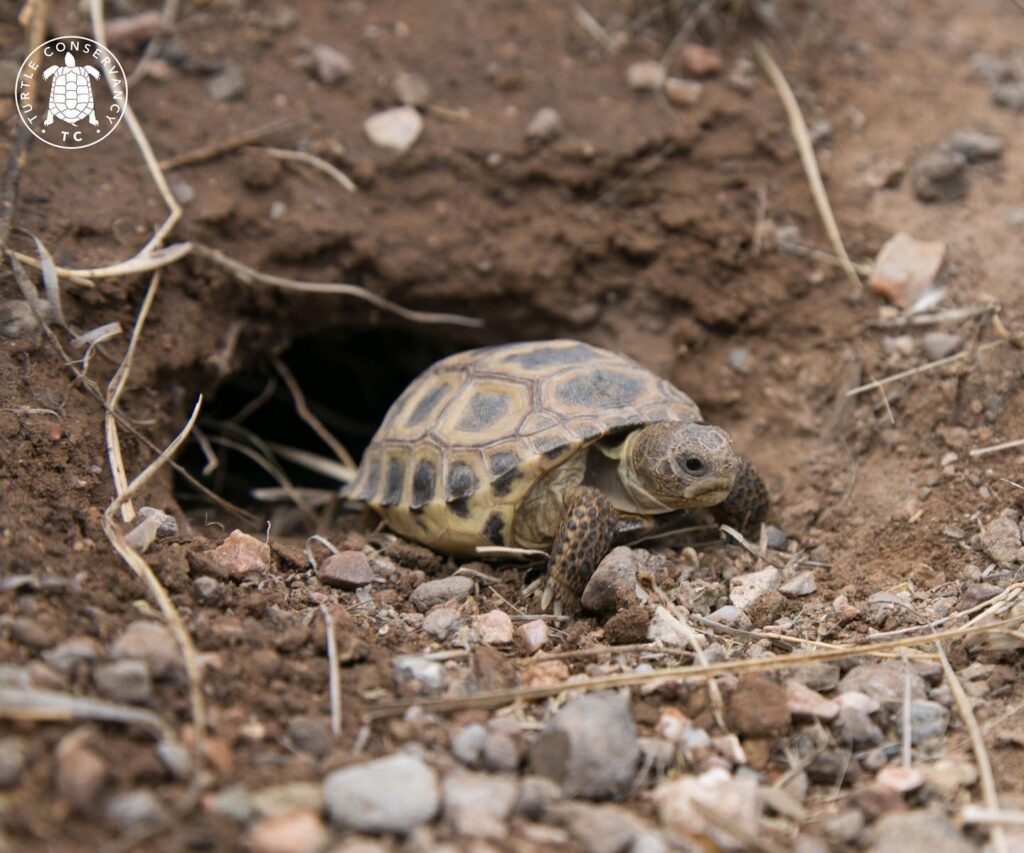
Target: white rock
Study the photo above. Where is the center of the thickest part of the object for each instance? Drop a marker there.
(545, 125)
(429, 673)
(900, 779)
(666, 628)
(532, 636)
(396, 129)
(800, 584)
(330, 65)
(494, 628)
(393, 794)
(733, 799)
(683, 93)
(804, 702)
(906, 268)
(645, 76)
(745, 590)
(411, 89)
(478, 805)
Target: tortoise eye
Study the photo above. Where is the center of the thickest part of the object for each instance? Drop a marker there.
(694, 465)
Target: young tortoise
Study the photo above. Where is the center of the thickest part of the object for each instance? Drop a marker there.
(553, 445)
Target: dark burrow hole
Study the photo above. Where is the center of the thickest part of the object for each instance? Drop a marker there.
(349, 378)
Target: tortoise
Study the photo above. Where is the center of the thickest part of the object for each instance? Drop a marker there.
(554, 445)
(71, 92)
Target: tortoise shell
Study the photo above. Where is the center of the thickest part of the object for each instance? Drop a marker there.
(462, 447)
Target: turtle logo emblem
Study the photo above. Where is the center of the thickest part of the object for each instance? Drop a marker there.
(71, 92)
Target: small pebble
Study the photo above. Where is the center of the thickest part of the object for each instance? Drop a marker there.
(801, 583)
(440, 622)
(150, 642)
(125, 680)
(906, 268)
(287, 797)
(240, 556)
(500, 753)
(938, 345)
(478, 805)
(1001, 539)
(613, 584)
(393, 794)
(396, 129)
(758, 707)
(900, 779)
(732, 616)
(975, 145)
(168, 523)
(183, 193)
(683, 93)
(311, 735)
(589, 747)
(806, 703)
(545, 125)
(432, 593)
(745, 590)
(927, 720)
(647, 75)
(845, 827)
(18, 321)
(700, 61)
(683, 803)
(299, 831)
(740, 360)
(494, 628)
(939, 175)
(531, 636)
(134, 808)
(411, 89)
(12, 761)
(31, 633)
(330, 65)
(776, 538)
(347, 570)
(428, 673)
(883, 682)
(229, 84)
(468, 743)
(81, 774)
(918, 831)
(1010, 95)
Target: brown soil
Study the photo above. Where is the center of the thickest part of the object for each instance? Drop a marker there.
(636, 230)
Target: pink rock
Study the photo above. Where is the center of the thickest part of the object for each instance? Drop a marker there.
(699, 60)
(241, 555)
(346, 570)
(906, 268)
(293, 832)
(532, 636)
(672, 724)
(900, 779)
(493, 628)
(859, 702)
(804, 702)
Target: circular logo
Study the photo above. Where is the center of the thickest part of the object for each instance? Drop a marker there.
(71, 92)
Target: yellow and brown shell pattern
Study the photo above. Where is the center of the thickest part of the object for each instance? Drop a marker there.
(467, 440)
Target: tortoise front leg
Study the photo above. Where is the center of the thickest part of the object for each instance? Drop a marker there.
(747, 504)
(581, 541)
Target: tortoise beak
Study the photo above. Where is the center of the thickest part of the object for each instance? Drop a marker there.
(708, 491)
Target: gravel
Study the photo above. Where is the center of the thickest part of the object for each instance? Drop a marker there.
(468, 744)
(441, 622)
(883, 682)
(975, 145)
(432, 593)
(939, 175)
(1010, 95)
(613, 583)
(294, 832)
(938, 345)
(745, 590)
(478, 805)
(683, 802)
(802, 583)
(330, 66)
(346, 570)
(758, 707)
(647, 75)
(229, 84)
(311, 735)
(411, 89)
(545, 125)
(125, 680)
(927, 720)
(394, 794)
(240, 556)
(133, 808)
(923, 831)
(589, 747)
(428, 673)
(396, 129)
(12, 761)
(150, 642)
(494, 628)
(531, 636)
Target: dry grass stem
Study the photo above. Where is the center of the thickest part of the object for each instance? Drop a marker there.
(747, 546)
(314, 462)
(496, 698)
(311, 420)
(923, 368)
(508, 551)
(225, 146)
(798, 127)
(38, 705)
(334, 671)
(980, 815)
(996, 448)
(152, 260)
(986, 780)
(175, 623)
(308, 159)
(114, 390)
(248, 275)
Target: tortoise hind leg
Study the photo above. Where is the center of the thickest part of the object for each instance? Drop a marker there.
(747, 505)
(581, 541)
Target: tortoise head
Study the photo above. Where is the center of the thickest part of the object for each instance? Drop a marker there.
(69, 59)
(680, 465)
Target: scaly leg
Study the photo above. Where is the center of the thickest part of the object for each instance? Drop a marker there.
(581, 541)
(747, 504)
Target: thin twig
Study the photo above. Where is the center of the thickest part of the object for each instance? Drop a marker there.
(310, 160)
(496, 698)
(798, 127)
(924, 368)
(32, 703)
(995, 448)
(141, 263)
(987, 781)
(248, 275)
(311, 420)
(225, 146)
(114, 391)
(334, 671)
